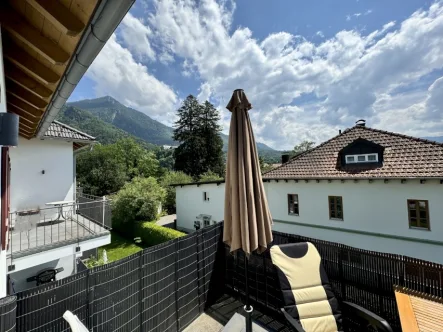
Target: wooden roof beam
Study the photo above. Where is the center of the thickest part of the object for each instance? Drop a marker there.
(24, 134)
(19, 77)
(29, 65)
(25, 126)
(13, 100)
(22, 30)
(25, 95)
(22, 114)
(58, 15)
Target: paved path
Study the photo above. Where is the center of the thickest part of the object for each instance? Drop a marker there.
(167, 220)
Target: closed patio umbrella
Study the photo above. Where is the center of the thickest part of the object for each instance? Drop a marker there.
(247, 220)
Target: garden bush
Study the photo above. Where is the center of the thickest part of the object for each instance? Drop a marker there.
(137, 201)
(152, 234)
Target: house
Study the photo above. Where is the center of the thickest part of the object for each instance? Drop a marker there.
(45, 49)
(367, 188)
(43, 236)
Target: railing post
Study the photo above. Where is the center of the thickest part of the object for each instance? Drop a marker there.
(103, 211)
(140, 289)
(91, 297)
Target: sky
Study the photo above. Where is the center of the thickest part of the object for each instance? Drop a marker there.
(309, 68)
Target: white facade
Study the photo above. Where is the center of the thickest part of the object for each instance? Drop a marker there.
(65, 256)
(190, 203)
(2, 110)
(375, 214)
(42, 171)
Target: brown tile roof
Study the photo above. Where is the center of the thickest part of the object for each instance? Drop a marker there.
(61, 131)
(404, 157)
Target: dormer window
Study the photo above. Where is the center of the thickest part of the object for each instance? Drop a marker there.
(362, 158)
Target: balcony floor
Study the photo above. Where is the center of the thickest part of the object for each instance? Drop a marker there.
(53, 233)
(218, 315)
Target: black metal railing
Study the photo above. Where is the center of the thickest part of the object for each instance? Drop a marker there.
(162, 288)
(165, 287)
(33, 229)
(102, 211)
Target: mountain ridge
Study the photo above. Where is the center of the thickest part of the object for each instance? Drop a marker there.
(137, 123)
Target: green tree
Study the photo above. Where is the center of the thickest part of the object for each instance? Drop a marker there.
(99, 172)
(210, 132)
(264, 166)
(137, 160)
(197, 130)
(139, 200)
(302, 147)
(210, 176)
(165, 157)
(166, 181)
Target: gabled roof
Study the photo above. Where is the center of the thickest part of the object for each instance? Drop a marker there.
(403, 157)
(58, 130)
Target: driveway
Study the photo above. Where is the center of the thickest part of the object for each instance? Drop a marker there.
(167, 221)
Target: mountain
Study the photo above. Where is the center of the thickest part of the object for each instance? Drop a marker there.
(108, 120)
(128, 119)
(435, 138)
(104, 132)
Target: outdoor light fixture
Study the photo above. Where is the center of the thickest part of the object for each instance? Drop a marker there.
(8, 129)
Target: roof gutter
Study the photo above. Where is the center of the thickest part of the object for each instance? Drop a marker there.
(105, 20)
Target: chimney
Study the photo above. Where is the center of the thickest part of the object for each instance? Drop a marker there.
(284, 158)
(361, 123)
(339, 131)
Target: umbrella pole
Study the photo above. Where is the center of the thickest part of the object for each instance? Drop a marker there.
(248, 308)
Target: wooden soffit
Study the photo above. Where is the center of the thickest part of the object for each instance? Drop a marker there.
(39, 38)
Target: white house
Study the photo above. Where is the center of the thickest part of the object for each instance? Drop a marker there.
(45, 49)
(366, 188)
(42, 236)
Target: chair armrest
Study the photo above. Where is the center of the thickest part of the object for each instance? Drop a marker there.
(296, 325)
(376, 321)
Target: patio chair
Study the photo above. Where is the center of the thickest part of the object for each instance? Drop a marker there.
(309, 303)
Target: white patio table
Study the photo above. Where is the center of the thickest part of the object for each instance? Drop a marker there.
(60, 205)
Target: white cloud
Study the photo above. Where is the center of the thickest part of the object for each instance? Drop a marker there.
(369, 11)
(320, 34)
(205, 92)
(357, 14)
(116, 73)
(352, 75)
(348, 17)
(136, 36)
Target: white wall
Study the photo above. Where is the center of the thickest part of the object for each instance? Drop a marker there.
(3, 265)
(3, 268)
(32, 189)
(375, 207)
(190, 203)
(19, 278)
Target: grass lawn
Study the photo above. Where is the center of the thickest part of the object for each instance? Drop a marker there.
(119, 248)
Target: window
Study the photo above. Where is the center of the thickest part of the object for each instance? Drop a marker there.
(362, 158)
(293, 204)
(418, 212)
(336, 207)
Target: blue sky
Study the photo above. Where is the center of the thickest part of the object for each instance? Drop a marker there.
(309, 68)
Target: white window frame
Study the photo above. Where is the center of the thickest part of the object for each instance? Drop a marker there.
(356, 161)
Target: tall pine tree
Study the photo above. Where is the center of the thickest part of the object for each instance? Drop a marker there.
(197, 130)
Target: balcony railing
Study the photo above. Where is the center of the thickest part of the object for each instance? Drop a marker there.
(166, 287)
(54, 226)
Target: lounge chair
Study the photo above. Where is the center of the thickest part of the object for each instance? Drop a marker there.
(309, 302)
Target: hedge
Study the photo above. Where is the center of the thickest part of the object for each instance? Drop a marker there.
(152, 234)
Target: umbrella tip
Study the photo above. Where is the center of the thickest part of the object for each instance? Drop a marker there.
(238, 90)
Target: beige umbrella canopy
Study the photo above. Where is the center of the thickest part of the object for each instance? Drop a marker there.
(247, 220)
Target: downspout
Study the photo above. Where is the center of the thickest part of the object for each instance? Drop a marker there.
(107, 17)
